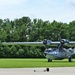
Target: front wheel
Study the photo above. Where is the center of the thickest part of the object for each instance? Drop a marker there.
(49, 60)
(70, 59)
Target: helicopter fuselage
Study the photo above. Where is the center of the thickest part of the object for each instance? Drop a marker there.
(58, 54)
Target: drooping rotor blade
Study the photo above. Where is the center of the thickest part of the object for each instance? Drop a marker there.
(52, 44)
(23, 43)
(45, 42)
(72, 42)
(55, 42)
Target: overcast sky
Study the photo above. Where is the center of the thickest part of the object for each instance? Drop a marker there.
(59, 10)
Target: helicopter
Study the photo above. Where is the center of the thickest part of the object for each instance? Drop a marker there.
(58, 53)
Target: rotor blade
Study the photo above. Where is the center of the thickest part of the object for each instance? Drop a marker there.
(72, 42)
(27, 43)
(23, 43)
(55, 42)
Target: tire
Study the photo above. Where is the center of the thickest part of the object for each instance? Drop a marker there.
(47, 69)
(70, 59)
(49, 60)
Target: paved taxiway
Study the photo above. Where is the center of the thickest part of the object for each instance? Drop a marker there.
(39, 71)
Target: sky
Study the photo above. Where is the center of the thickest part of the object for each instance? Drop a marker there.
(59, 10)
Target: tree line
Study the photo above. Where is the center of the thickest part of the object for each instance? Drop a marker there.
(24, 29)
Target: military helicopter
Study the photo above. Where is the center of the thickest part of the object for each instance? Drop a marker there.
(57, 53)
(60, 52)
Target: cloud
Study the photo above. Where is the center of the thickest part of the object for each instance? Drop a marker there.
(12, 8)
(72, 2)
(11, 2)
(44, 9)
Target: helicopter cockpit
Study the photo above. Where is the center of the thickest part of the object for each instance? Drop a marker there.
(49, 50)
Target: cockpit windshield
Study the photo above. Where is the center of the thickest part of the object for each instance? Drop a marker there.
(50, 49)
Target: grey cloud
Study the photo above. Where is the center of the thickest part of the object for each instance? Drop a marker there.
(72, 2)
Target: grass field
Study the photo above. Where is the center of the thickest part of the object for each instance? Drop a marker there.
(31, 63)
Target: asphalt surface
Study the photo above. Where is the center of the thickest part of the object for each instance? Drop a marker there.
(38, 71)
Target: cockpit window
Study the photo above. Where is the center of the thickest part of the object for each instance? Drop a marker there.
(50, 50)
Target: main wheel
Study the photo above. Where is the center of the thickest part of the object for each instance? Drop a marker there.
(70, 59)
(49, 60)
(47, 69)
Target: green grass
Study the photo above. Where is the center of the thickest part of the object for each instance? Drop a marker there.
(32, 63)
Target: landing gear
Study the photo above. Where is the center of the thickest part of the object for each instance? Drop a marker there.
(49, 60)
(70, 59)
(47, 69)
